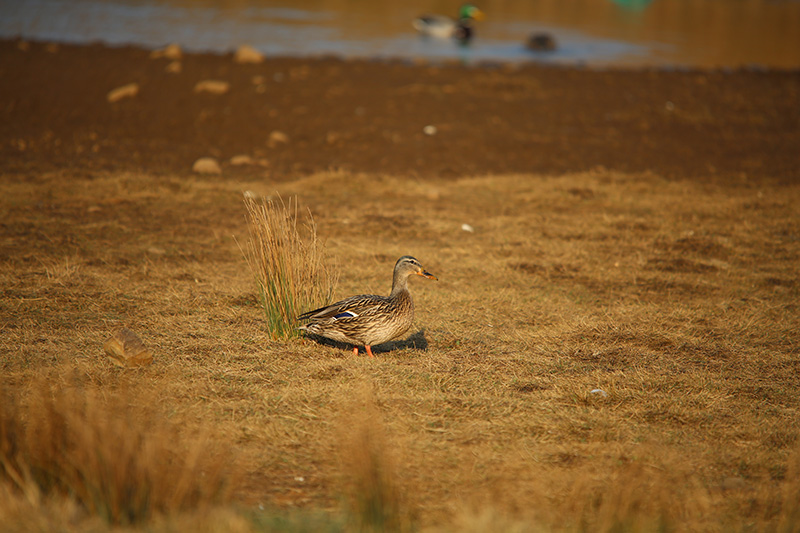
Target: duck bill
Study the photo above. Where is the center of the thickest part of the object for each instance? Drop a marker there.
(426, 274)
(478, 14)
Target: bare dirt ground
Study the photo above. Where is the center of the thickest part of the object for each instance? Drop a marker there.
(634, 232)
(369, 117)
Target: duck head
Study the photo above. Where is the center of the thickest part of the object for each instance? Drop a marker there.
(470, 12)
(408, 265)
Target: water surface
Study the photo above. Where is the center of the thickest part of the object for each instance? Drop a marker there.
(699, 33)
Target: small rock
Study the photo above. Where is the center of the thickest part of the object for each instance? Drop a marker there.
(206, 165)
(248, 54)
(174, 67)
(467, 227)
(241, 160)
(126, 349)
(429, 130)
(276, 138)
(212, 86)
(333, 137)
(173, 51)
(126, 91)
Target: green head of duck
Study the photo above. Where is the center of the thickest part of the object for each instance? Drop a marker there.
(470, 12)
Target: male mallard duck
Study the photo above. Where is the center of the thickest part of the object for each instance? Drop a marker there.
(445, 27)
(368, 319)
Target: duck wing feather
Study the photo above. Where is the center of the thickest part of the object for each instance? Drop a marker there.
(362, 305)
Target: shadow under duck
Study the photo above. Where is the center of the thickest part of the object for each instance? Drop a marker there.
(369, 319)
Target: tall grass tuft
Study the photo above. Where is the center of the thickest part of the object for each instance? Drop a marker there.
(789, 498)
(288, 263)
(371, 487)
(122, 463)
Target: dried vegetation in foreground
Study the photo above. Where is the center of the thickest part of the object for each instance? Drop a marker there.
(677, 299)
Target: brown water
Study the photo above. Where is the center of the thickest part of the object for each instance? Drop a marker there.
(697, 33)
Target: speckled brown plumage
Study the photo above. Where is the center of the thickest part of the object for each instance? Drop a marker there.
(368, 319)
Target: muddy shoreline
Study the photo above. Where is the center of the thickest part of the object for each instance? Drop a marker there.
(370, 116)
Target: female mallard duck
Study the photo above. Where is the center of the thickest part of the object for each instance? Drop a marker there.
(444, 27)
(368, 319)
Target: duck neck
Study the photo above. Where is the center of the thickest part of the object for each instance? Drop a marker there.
(399, 285)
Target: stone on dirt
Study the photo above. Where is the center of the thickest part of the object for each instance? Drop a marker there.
(241, 160)
(212, 86)
(126, 91)
(172, 51)
(207, 165)
(246, 160)
(174, 67)
(248, 54)
(126, 349)
(277, 137)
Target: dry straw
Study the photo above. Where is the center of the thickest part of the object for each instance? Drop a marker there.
(120, 462)
(288, 264)
(373, 498)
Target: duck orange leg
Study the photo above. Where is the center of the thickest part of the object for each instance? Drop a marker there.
(355, 351)
(369, 351)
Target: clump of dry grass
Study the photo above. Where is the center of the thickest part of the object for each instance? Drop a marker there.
(122, 463)
(370, 485)
(288, 264)
(640, 494)
(788, 505)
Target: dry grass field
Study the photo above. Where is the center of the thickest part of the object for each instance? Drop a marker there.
(678, 299)
(614, 347)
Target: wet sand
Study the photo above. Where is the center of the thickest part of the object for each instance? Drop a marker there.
(370, 116)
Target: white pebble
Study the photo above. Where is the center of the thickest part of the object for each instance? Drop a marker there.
(212, 87)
